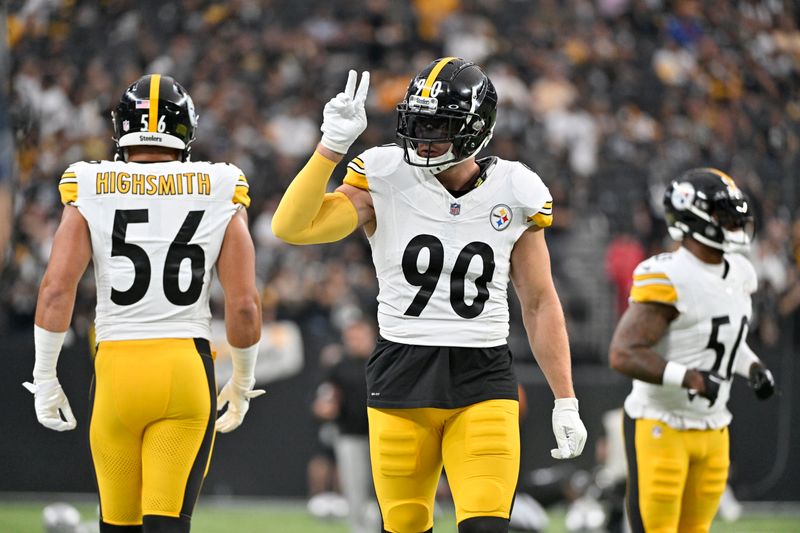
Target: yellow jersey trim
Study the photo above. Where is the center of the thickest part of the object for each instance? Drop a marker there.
(651, 276)
(68, 192)
(543, 220)
(654, 292)
(240, 195)
(240, 191)
(356, 179)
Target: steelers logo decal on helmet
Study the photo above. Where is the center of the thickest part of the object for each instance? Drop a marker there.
(682, 196)
(500, 217)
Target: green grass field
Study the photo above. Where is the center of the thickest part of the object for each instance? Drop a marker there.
(291, 517)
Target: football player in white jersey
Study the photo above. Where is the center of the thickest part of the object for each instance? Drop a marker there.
(155, 225)
(682, 340)
(447, 233)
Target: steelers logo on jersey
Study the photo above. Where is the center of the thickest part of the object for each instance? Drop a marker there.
(500, 217)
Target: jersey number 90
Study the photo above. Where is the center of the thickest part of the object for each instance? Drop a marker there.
(427, 280)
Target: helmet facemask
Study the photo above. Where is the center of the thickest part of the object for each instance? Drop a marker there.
(421, 131)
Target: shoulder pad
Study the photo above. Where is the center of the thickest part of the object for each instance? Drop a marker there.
(532, 194)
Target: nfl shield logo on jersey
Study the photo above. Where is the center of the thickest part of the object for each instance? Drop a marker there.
(455, 209)
(500, 217)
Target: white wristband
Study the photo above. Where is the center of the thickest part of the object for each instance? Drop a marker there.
(565, 404)
(244, 363)
(673, 374)
(334, 146)
(47, 346)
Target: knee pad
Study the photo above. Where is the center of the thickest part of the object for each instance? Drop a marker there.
(407, 517)
(483, 524)
(166, 524)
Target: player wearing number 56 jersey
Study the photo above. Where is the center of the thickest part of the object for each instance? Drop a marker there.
(154, 225)
(447, 233)
(682, 339)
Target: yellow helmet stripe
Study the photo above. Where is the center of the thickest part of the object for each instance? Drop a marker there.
(152, 118)
(426, 89)
(727, 179)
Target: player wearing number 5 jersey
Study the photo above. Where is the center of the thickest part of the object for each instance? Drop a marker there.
(155, 225)
(682, 339)
(447, 233)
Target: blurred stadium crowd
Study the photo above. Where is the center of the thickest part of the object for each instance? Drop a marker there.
(606, 99)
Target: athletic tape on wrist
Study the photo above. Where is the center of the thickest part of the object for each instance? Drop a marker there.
(674, 374)
(47, 347)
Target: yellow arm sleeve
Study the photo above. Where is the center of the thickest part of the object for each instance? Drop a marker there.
(309, 215)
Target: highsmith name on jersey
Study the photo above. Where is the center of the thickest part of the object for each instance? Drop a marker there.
(715, 307)
(156, 231)
(443, 262)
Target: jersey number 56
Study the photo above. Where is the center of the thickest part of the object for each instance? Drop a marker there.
(179, 250)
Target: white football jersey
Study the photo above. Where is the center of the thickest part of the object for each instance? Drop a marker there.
(156, 231)
(443, 262)
(715, 307)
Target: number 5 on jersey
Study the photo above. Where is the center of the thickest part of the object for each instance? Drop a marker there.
(179, 250)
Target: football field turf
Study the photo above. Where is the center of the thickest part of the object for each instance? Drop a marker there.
(271, 516)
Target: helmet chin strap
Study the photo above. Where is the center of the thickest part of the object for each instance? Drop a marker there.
(735, 241)
(436, 164)
(708, 242)
(446, 160)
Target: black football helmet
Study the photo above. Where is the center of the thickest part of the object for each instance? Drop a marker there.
(450, 101)
(706, 204)
(155, 110)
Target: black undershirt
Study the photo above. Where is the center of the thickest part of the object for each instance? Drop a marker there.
(407, 376)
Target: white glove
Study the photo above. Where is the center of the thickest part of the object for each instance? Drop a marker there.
(344, 117)
(569, 430)
(49, 399)
(237, 396)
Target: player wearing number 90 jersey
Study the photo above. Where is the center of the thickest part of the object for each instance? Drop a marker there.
(682, 339)
(155, 225)
(442, 259)
(447, 233)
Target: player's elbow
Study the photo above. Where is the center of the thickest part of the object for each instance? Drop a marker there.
(619, 357)
(283, 229)
(55, 292)
(244, 310)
